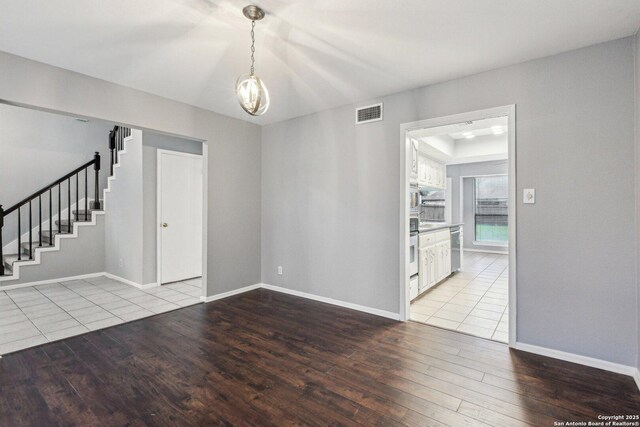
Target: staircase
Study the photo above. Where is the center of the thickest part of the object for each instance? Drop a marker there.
(55, 212)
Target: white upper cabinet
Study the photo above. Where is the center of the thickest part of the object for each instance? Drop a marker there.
(431, 173)
(423, 169)
(413, 176)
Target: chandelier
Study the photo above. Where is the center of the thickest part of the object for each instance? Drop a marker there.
(250, 89)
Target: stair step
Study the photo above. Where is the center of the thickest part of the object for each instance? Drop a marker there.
(46, 238)
(64, 225)
(8, 271)
(80, 215)
(10, 259)
(92, 206)
(34, 246)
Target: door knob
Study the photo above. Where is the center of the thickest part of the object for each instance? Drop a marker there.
(165, 225)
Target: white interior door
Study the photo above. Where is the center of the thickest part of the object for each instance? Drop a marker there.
(179, 216)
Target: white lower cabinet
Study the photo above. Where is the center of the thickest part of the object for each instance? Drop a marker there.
(434, 252)
(423, 270)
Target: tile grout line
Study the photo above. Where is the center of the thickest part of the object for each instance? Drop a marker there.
(54, 303)
(29, 319)
(126, 299)
(38, 291)
(493, 262)
(485, 292)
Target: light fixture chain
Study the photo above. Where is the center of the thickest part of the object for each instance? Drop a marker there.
(253, 49)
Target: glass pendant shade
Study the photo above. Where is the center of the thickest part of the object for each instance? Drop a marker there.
(252, 94)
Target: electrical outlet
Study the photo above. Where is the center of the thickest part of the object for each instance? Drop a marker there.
(529, 195)
(280, 270)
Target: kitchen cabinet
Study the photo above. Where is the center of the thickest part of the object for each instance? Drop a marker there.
(423, 171)
(432, 277)
(423, 270)
(431, 173)
(434, 252)
(441, 178)
(443, 267)
(413, 176)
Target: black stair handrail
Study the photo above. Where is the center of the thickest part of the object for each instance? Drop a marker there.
(116, 143)
(95, 162)
(53, 184)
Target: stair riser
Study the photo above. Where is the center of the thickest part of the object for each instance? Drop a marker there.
(25, 254)
(7, 265)
(50, 241)
(36, 245)
(64, 227)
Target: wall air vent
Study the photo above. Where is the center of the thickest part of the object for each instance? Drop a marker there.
(370, 113)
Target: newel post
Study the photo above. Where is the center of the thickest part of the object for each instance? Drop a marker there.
(96, 168)
(112, 148)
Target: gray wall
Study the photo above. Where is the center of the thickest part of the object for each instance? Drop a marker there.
(82, 255)
(123, 207)
(36, 148)
(233, 146)
(471, 169)
(330, 197)
(151, 142)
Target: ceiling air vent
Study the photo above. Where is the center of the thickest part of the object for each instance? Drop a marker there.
(370, 113)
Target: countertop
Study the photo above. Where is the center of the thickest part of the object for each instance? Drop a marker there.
(437, 227)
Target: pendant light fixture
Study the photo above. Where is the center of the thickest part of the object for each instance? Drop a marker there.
(250, 89)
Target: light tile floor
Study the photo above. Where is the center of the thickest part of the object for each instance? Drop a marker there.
(39, 314)
(474, 300)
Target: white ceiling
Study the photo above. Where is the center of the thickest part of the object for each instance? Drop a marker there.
(312, 54)
(459, 130)
(450, 144)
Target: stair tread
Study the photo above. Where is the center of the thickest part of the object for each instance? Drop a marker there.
(8, 271)
(11, 258)
(47, 238)
(36, 245)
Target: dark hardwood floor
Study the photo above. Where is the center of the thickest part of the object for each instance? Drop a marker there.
(265, 358)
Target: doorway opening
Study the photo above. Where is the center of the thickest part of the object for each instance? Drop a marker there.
(81, 239)
(458, 223)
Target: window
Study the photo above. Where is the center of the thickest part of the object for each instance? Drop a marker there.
(433, 206)
(491, 208)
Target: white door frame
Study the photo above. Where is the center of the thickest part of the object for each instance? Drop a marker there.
(405, 158)
(159, 153)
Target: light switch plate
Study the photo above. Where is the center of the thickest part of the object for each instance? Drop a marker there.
(529, 195)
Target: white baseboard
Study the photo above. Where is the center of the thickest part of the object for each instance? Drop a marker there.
(485, 251)
(230, 293)
(581, 360)
(130, 282)
(44, 282)
(377, 312)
